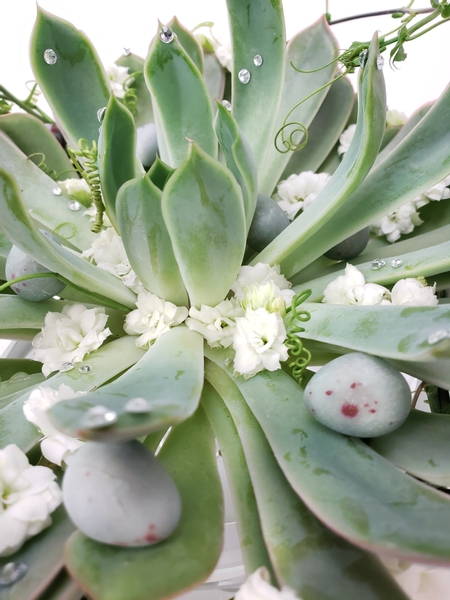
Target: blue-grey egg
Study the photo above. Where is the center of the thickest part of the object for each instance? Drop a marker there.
(268, 222)
(351, 247)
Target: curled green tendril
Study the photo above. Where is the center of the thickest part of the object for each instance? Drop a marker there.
(289, 145)
(34, 94)
(130, 98)
(5, 107)
(301, 356)
(43, 166)
(89, 171)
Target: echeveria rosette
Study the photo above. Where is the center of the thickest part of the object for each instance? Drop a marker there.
(177, 240)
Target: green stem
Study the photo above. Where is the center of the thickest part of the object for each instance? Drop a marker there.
(26, 277)
(380, 13)
(32, 110)
(414, 37)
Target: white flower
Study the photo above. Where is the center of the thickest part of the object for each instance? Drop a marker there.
(216, 324)
(298, 191)
(152, 318)
(258, 342)
(439, 191)
(398, 222)
(117, 76)
(412, 292)
(56, 446)
(28, 496)
(108, 253)
(91, 212)
(69, 336)
(257, 587)
(345, 139)
(76, 188)
(395, 118)
(351, 288)
(420, 582)
(261, 274)
(267, 295)
(224, 53)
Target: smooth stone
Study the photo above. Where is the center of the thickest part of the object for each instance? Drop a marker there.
(147, 144)
(19, 264)
(119, 494)
(359, 395)
(351, 247)
(268, 222)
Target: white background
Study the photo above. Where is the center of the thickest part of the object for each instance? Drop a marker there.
(114, 25)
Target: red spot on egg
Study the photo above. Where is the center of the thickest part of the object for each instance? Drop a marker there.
(313, 410)
(376, 401)
(24, 284)
(391, 422)
(151, 538)
(366, 405)
(310, 391)
(328, 392)
(349, 410)
(372, 410)
(87, 473)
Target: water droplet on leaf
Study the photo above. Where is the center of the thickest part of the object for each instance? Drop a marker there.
(126, 51)
(66, 366)
(396, 263)
(73, 205)
(377, 264)
(137, 405)
(166, 35)
(244, 76)
(257, 60)
(85, 369)
(227, 105)
(362, 58)
(50, 56)
(57, 191)
(437, 336)
(101, 114)
(380, 62)
(99, 416)
(12, 572)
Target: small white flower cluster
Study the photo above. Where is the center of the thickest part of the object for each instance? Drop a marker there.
(420, 582)
(345, 139)
(28, 495)
(224, 53)
(77, 188)
(108, 253)
(251, 321)
(258, 587)
(351, 288)
(117, 77)
(56, 446)
(69, 336)
(298, 191)
(395, 118)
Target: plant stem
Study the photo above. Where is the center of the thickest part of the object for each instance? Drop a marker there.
(384, 12)
(32, 110)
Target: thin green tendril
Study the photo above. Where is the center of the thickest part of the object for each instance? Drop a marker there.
(26, 277)
(43, 166)
(130, 98)
(301, 356)
(89, 171)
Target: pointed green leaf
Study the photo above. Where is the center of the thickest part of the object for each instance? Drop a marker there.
(106, 362)
(305, 555)
(192, 551)
(179, 116)
(324, 131)
(169, 376)
(214, 76)
(288, 247)
(374, 505)
(159, 173)
(146, 240)
(143, 106)
(22, 231)
(189, 42)
(203, 208)
(420, 446)
(253, 547)
(257, 28)
(75, 86)
(117, 161)
(238, 158)
(311, 49)
(31, 136)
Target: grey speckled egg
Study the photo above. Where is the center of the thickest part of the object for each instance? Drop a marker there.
(119, 494)
(19, 264)
(359, 395)
(351, 247)
(268, 221)
(147, 144)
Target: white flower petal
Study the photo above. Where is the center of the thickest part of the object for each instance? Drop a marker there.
(257, 587)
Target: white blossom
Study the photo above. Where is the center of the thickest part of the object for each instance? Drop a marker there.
(117, 76)
(69, 336)
(394, 118)
(258, 587)
(420, 582)
(351, 288)
(413, 292)
(345, 139)
(28, 496)
(261, 274)
(56, 446)
(439, 191)
(216, 324)
(153, 317)
(398, 222)
(224, 53)
(258, 342)
(298, 191)
(266, 295)
(76, 188)
(108, 253)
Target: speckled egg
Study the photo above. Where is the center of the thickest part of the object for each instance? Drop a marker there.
(359, 395)
(147, 144)
(268, 221)
(119, 494)
(351, 247)
(19, 264)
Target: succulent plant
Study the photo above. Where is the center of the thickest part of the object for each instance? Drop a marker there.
(313, 506)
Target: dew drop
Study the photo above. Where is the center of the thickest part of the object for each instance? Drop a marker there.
(396, 263)
(377, 264)
(101, 114)
(437, 336)
(12, 572)
(50, 56)
(66, 366)
(73, 205)
(99, 416)
(362, 58)
(380, 62)
(85, 369)
(227, 105)
(257, 60)
(244, 76)
(57, 191)
(126, 51)
(137, 405)
(166, 35)
(18, 377)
